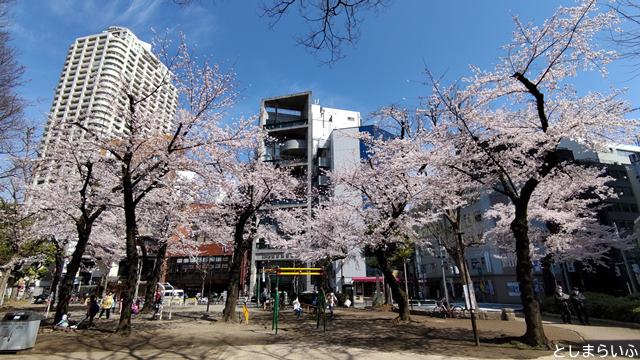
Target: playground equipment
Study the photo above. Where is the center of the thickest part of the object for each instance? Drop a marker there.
(321, 303)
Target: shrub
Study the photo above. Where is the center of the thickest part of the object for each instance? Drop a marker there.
(604, 306)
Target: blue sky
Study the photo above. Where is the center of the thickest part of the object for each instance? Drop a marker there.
(386, 66)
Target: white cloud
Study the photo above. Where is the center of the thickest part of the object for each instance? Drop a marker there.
(138, 13)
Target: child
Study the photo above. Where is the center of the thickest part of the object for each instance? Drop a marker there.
(135, 307)
(64, 324)
(297, 309)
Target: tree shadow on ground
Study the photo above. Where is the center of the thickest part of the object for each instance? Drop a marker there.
(349, 334)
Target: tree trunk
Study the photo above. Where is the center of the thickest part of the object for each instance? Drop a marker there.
(57, 274)
(4, 282)
(84, 232)
(124, 325)
(153, 280)
(396, 290)
(241, 245)
(534, 336)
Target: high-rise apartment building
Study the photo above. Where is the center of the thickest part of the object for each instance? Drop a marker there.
(99, 73)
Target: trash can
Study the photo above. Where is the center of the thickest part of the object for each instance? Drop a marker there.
(19, 330)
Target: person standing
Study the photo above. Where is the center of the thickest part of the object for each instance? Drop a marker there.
(106, 305)
(157, 302)
(92, 309)
(332, 300)
(264, 298)
(577, 301)
(562, 300)
(114, 303)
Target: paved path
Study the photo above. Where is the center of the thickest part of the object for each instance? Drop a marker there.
(603, 334)
(251, 352)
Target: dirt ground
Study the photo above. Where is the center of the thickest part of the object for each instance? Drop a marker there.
(352, 334)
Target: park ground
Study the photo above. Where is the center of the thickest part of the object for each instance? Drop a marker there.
(352, 334)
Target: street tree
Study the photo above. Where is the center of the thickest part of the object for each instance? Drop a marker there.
(503, 128)
(381, 190)
(242, 191)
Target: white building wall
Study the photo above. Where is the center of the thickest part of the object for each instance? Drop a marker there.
(325, 120)
(345, 153)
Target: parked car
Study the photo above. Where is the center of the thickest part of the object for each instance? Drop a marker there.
(428, 304)
(174, 295)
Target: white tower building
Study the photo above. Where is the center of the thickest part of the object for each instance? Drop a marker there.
(99, 71)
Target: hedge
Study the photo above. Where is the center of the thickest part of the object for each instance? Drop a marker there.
(604, 306)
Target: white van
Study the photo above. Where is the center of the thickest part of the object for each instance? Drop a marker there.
(174, 295)
(169, 293)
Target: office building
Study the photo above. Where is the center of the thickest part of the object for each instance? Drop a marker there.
(301, 131)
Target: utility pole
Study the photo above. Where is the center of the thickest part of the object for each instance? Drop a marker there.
(406, 286)
(444, 276)
(135, 295)
(466, 278)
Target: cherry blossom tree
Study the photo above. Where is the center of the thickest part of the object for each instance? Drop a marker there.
(242, 191)
(332, 232)
(567, 204)
(164, 218)
(375, 197)
(502, 128)
(72, 191)
(15, 220)
(145, 157)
